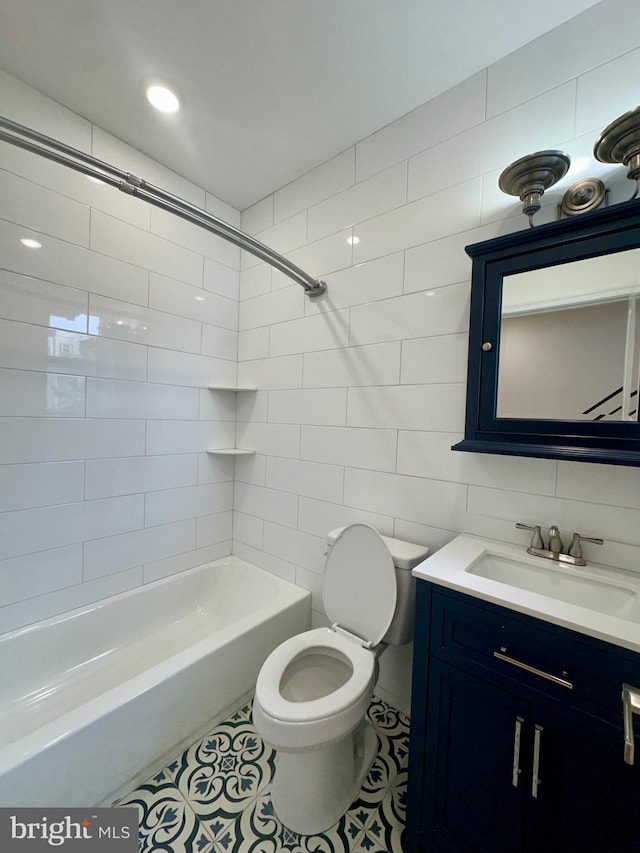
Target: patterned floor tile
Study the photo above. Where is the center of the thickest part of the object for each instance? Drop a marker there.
(215, 797)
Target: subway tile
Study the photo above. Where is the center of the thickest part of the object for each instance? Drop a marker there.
(198, 371)
(311, 581)
(73, 266)
(26, 105)
(376, 364)
(214, 469)
(258, 217)
(252, 406)
(184, 300)
(527, 72)
(321, 517)
(368, 282)
(311, 479)
(222, 210)
(193, 238)
(607, 92)
(61, 601)
(284, 236)
(115, 553)
(45, 211)
(450, 113)
(107, 478)
(188, 436)
(495, 143)
(253, 344)
(323, 331)
(221, 279)
(442, 311)
(37, 348)
(272, 373)
(268, 504)
(441, 214)
(271, 439)
(213, 529)
(275, 565)
(217, 405)
(251, 470)
(256, 281)
(158, 569)
(38, 574)
(27, 530)
(423, 534)
(54, 439)
(275, 307)
(322, 256)
(424, 407)
(297, 547)
(112, 398)
(132, 245)
(219, 343)
(30, 300)
(118, 153)
(314, 186)
(442, 358)
(111, 318)
(428, 454)
(248, 529)
(614, 485)
(614, 523)
(170, 505)
(366, 199)
(351, 446)
(24, 393)
(42, 484)
(411, 498)
(308, 406)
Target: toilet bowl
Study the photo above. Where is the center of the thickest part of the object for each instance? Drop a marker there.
(313, 691)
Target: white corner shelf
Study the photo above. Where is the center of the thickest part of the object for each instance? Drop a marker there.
(231, 388)
(230, 451)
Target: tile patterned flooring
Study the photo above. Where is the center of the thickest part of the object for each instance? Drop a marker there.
(214, 798)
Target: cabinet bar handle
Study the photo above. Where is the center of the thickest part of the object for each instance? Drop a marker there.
(556, 679)
(535, 776)
(515, 773)
(630, 706)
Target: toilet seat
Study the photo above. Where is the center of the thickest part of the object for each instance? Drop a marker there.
(268, 687)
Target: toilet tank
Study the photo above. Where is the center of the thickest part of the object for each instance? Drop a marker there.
(405, 556)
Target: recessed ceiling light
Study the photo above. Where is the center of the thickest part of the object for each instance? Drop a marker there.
(30, 244)
(163, 99)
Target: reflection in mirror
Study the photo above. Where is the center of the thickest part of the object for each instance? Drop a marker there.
(570, 341)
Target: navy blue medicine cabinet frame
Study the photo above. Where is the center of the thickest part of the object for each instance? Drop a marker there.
(587, 235)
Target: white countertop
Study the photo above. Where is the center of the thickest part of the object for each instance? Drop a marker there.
(448, 568)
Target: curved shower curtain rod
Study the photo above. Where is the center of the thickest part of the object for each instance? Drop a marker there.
(45, 146)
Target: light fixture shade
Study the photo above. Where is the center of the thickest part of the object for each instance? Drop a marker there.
(530, 176)
(619, 142)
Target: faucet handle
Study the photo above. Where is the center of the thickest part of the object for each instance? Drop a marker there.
(575, 549)
(536, 539)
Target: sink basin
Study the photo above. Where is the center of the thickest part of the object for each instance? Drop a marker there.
(561, 583)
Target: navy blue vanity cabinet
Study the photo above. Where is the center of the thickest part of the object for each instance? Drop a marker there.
(503, 759)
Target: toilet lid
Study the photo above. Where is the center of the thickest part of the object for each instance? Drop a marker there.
(359, 589)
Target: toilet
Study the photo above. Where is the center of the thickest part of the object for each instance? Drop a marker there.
(313, 691)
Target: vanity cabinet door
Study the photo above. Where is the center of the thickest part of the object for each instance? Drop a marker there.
(475, 792)
(587, 797)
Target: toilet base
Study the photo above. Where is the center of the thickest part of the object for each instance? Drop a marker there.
(313, 788)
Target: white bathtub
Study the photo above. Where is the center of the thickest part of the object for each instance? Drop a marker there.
(93, 700)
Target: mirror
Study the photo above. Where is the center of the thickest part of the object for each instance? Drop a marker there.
(554, 340)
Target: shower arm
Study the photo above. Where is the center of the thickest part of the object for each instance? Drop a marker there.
(59, 152)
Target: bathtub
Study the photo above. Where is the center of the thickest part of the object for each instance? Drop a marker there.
(96, 700)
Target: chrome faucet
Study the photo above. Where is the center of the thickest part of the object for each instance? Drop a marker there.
(554, 551)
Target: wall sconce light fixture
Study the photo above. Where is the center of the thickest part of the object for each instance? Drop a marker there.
(530, 176)
(619, 142)
(585, 195)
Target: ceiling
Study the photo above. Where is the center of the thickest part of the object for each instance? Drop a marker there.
(269, 88)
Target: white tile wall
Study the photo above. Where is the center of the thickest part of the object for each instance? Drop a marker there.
(392, 329)
(109, 336)
(104, 479)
